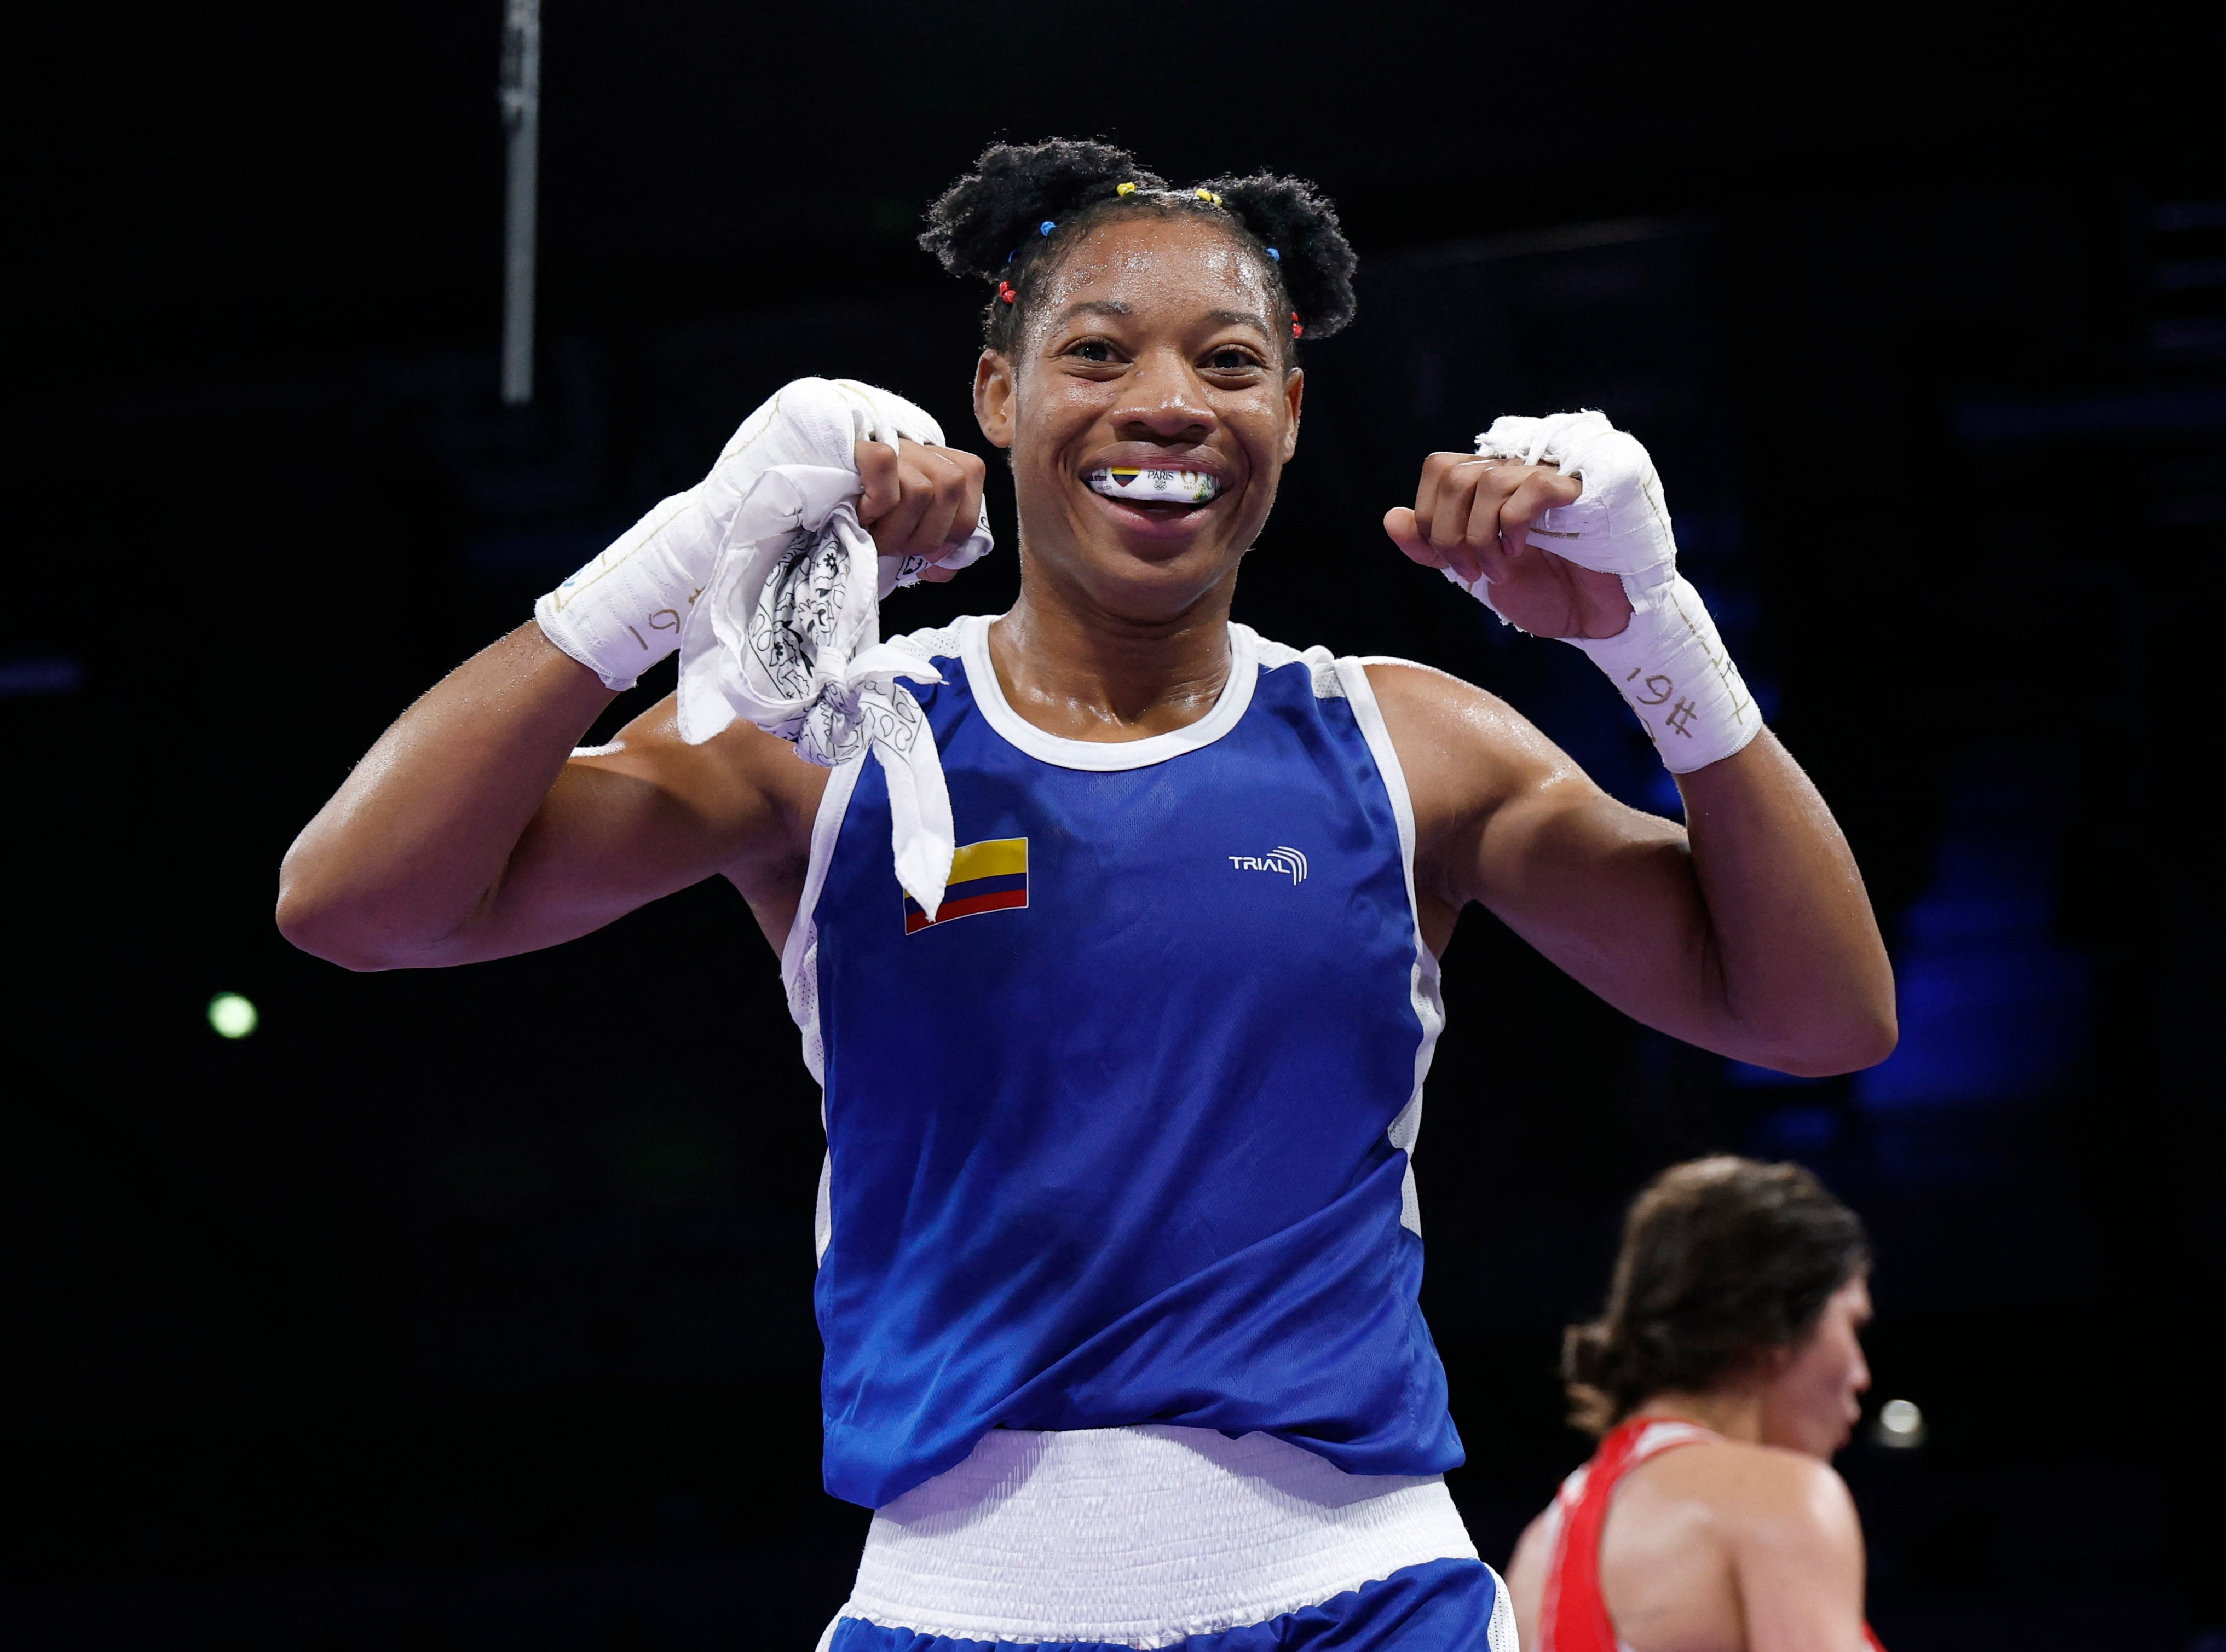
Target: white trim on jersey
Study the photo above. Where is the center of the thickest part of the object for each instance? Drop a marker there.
(799, 956)
(1274, 656)
(799, 968)
(1104, 756)
(1423, 984)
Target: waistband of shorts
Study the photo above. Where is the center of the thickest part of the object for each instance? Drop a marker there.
(1139, 1537)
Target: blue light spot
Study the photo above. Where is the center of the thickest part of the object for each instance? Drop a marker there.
(39, 675)
(1993, 1007)
(1798, 1130)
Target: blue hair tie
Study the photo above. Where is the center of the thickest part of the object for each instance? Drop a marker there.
(1276, 256)
(1046, 226)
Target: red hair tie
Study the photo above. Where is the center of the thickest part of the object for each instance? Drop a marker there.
(1295, 328)
(1005, 291)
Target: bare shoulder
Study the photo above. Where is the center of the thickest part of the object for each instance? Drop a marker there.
(1434, 715)
(1787, 1528)
(1762, 1497)
(1467, 755)
(1463, 748)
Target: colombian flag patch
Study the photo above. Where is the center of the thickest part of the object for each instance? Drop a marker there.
(986, 877)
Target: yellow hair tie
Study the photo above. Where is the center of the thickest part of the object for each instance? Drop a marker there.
(1126, 189)
(1207, 194)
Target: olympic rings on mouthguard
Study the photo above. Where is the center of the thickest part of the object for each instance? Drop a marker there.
(1155, 485)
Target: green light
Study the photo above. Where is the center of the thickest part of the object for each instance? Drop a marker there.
(233, 1016)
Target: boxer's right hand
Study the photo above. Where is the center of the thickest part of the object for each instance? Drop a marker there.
(919, 500)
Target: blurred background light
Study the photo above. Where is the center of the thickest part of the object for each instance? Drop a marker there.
(1900, 1424)
(40, 674)
(233, 1016)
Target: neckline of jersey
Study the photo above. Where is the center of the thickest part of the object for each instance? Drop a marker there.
(1103, 756)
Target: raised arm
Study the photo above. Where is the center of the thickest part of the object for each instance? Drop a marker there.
(472, 829)
(1746, 930)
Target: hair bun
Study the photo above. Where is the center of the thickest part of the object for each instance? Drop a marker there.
(976, 224)
(1297, 221)
(1024, 203)
(1723, 1260)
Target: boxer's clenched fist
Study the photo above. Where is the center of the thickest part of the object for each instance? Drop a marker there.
(1559, 525)
(1474, 516)
(919, 500)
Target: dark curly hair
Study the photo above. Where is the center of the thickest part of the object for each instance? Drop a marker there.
(1025, 205)
(1723, 1260)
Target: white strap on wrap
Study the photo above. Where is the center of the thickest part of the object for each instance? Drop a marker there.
(1668, 663)
(763, 578)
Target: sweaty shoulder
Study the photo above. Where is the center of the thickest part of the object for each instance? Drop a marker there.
(1466, 754)
(1439, 715)
(1462, 747)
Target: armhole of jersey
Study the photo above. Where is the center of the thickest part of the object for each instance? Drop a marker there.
(799, 974)
(799, 957)
(1499, 1634)
(1429, 1003)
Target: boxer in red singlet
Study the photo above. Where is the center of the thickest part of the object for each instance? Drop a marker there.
(1723, 1375)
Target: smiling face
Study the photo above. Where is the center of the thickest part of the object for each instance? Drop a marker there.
(1151, 345)
(1811, 1401)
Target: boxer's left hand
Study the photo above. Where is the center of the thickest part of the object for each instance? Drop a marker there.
(919, 501)
(1473, 515)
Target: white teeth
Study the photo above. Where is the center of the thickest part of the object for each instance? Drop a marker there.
(1155, 485)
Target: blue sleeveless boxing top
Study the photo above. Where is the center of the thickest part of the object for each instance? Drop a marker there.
(1122, 1136)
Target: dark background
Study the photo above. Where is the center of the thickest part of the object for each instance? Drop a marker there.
(472, 1310)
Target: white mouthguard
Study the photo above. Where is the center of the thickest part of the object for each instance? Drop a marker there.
(1155, 487)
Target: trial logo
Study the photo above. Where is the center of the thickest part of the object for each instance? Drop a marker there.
(1284, 862)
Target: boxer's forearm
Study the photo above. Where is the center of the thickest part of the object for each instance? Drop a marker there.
(1796, 963)
(414, 844)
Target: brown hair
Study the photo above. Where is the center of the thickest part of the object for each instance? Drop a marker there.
(1723, 1260)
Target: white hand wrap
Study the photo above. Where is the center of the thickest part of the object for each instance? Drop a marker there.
(1668, 663)
(623, 612)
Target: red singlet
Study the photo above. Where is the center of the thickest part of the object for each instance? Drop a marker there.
(1573, 1613)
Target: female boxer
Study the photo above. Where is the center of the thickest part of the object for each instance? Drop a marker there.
(1722, 1376)
(1119, 1244)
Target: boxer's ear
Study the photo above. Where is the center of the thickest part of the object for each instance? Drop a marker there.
(994, 392)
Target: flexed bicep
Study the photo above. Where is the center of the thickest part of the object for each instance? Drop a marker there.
(474, 829)
(1746, 931)
(647, 815)
(1506, 819)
